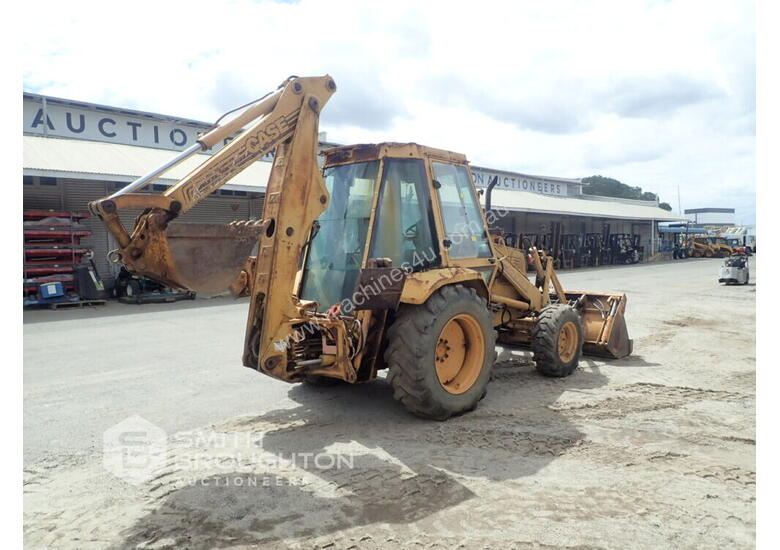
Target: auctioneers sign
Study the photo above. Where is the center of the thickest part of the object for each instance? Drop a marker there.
(519, 182)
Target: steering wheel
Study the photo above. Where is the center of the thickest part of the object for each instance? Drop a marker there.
(411, 231)
(355, 256)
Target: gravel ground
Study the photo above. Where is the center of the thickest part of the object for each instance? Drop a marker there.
(653, 451)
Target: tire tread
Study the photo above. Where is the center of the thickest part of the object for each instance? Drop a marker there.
(544, 340)
(406, 353)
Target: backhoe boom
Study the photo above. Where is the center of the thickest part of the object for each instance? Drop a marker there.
(209, 257)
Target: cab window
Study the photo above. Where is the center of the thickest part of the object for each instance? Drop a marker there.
(463, 223)
(404, 225)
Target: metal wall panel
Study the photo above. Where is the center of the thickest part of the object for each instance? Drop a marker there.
(42, 197)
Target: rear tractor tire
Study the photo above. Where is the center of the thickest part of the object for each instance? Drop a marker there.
(440, 354)
(556, 340)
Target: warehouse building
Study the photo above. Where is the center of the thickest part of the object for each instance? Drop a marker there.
(76, 152)
(534, 206)
(720, 223)
(711, 216)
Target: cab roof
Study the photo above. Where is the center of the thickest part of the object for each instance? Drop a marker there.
(370, 151)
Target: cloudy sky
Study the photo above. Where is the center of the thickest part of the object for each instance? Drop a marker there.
(658, 94)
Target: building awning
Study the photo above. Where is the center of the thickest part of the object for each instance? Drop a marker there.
(93, 160)
(522, 201)
(735, 231)
(683, 229)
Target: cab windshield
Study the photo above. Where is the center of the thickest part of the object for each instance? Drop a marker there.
(336, 252)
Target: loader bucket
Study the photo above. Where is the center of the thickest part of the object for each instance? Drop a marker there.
(604, 324)
(202, 257)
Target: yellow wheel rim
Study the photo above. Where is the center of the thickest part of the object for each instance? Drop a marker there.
(567, 342)
(460, 354)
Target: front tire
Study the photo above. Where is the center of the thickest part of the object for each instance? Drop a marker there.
(440, 354)
(133, 288)
(556, 340)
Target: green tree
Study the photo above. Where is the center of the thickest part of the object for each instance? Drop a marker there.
(665, 206)
(603, 186)
(609, 187)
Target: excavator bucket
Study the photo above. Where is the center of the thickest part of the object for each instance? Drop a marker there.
(209, 257)
(202, 257)
(604, 324)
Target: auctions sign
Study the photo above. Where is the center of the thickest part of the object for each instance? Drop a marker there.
(92, 123)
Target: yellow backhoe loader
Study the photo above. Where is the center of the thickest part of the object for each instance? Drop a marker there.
(383, 260)
(700, 248)
(720, 248)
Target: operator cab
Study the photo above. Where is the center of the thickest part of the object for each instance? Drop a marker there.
(405, 205)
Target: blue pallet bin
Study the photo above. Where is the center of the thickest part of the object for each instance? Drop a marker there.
(51, 290)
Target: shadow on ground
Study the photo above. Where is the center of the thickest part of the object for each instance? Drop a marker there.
(630, 361)
(404, 469)
(114, 308)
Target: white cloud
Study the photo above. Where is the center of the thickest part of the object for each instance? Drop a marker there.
(656, 94)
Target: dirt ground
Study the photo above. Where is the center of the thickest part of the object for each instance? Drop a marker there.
(653, 451)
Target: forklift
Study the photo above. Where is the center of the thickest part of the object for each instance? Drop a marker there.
(593, 246)
(624, 248)
(572, 251)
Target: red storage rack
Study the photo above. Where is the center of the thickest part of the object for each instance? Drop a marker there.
(32, 215)
(54, 236)
(52, 248)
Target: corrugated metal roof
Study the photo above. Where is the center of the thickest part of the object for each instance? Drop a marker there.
(738, 230)
(523, 201)
(112, 161)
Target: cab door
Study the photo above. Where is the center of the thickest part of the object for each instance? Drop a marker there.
(404, 228)
(465, 241)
